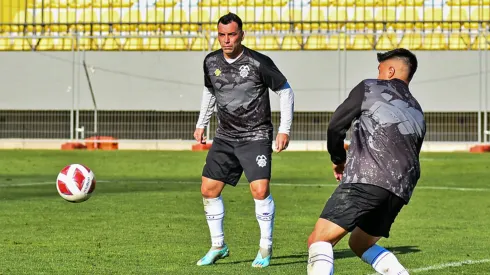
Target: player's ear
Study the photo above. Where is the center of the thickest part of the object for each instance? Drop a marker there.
(391, 72)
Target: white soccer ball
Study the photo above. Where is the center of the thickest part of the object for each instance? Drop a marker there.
(75, 183)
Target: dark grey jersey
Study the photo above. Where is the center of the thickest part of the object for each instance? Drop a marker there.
(242, 93)
(388, 130)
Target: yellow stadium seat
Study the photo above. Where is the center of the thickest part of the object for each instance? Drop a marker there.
(458, 2)
(408, 18)
(291, 43)
(434, 41)
(110, 44)
(66, 20)
(338, 41)
(480, 14)
(209, 3)
(130, 20)
(25, 21)
(5, 43)
(268, 43)
(154, 19)
(481, 42)
(411, 41)
(23, 44)
(101, 3)
(175, 44)
(165, 3)
(41, 4)
(366, 3)
(133, 44)
(336, 14)
(315, 20)
(275, 3)
(343, 3)
(87, 44)
(248, 17)
(362, 18)
(320, 3)
(123, 3)
(216, 45)
(200, 44)
(389, 3)
(432, 18)
(45, 17)
(46, 44)
(249, 41)
(455, 14)
(362, 42)
(316, 42)
(58, 4)
(294, 16)
(153, 43)
(387, 41)
(79, 3)
(86, 19)
(385, 18)
(200, 19)
(459, 41)
(65, 44)
(237, 3)
(107, 17)
(417, 3)
(479, 2)
(268, 20)
(177, 20)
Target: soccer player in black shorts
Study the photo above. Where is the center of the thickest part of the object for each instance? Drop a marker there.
(381, 166)
(237, 80)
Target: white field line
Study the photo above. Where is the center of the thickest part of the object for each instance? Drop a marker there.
(273, 184)
(445, 265)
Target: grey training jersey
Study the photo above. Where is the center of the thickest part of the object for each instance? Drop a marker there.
(388, 131)
(242, 94)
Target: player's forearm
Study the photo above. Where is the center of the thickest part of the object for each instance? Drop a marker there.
(286, 99)
(207, 107)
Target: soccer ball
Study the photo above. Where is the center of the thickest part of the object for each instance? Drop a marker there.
(75, 183)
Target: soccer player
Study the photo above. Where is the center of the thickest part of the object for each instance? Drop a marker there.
(237, 80)
(380, 171)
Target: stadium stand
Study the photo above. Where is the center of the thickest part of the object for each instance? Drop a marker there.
(129, 25)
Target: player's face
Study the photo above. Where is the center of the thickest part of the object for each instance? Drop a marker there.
(230, 38)
(385, 70)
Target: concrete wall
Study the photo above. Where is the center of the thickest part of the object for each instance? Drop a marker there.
(445, 81)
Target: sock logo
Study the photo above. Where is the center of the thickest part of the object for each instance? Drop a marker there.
(261, 160)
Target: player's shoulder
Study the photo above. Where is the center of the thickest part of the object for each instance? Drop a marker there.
(212, 56)
(258, 56)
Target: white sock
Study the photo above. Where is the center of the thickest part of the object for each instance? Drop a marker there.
(383, 261)
(264, 211)
(320, 259)
(215, 212)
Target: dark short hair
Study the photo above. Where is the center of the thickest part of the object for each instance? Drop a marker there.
(231, 17)
(405, 55)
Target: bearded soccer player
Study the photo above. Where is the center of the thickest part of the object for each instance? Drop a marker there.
(237, 80)
(380, 171)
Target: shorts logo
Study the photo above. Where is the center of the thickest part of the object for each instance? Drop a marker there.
(244, 69)
(261, 160)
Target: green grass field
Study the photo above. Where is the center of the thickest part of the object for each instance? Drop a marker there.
(146, 216)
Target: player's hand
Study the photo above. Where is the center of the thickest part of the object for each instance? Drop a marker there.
(282, 142)
(199, 135)
(338, 170)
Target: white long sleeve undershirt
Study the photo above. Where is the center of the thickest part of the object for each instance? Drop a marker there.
(286, 100)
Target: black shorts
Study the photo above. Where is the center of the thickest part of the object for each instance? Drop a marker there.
(226, 160)
(371, 208)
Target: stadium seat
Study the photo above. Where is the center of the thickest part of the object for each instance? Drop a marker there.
(177, 20)
(315, 19)
(5, 43)
(268, 43)
(209, 3)
(434, 41)
(23, 44)
(25, 21)
(320, 3)
(86, 19)
(262, 3)
(455, 14)
(291, 43)
(362, 42)
(481, 42)
(316, 42)
(58, 4)
(408, 18)
(200, 44)
(249, 41)
(107, 18)
(39, 4)
(87, 44)
(432, 18)
(123, 3)
(154, 19)
(175, 44)
(101, 3)
(275, 3)
(130, 20)
(65, 44)
(339, 15)
(108, 44)
(366, 3)
(343, 3)
(79, 3)
(46, 44)
(248, 17)
(480, 14)
(361, 18)
(385, 18)
(153, 43)
(411, 41)
(459, 41)
(411, 3)
(294, 17)
(387, 41)
(200, 19)
(389, 3)
(338, 41)
(66, 19)
(268, 20)
(458, 3)
(165, 3)
(216, 45)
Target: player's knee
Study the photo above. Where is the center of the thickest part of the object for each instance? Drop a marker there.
(260, 189)
(354, 246)
(209, 190)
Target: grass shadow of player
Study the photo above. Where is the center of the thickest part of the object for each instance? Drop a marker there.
(302, 258)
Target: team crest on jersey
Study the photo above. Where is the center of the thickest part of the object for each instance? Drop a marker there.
(244, 69)
(261, 160)
(217, 72)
